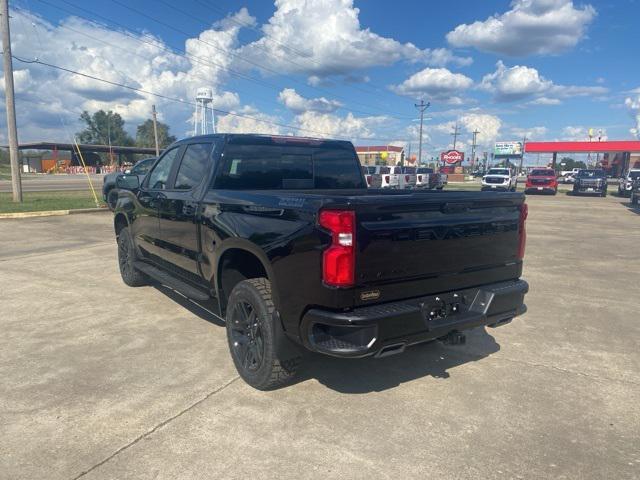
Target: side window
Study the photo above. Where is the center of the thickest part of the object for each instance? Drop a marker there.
(193, 166)
(160, 174)
(142, 167)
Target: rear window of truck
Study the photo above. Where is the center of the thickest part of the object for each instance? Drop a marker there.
(289, 167)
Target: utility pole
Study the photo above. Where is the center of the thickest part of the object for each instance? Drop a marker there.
(455, 133)
(422, 107)
(524, 143)
(473, 147)
(155, 128)
(10, 102)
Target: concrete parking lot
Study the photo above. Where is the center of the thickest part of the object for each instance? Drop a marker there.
(102, 381)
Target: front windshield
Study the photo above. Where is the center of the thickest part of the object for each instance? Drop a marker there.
(590, 174)
(498, 171)
(634, 175)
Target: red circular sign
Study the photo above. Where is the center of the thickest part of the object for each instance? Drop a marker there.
(452, 156)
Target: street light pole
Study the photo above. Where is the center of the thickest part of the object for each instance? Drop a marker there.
(422, 107)
(10, 102)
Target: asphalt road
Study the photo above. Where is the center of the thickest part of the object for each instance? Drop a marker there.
(102, 381)
(49, 183)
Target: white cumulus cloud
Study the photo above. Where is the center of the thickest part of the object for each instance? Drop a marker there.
(633, 106)
(50, 101)
(532, 133)
(436, 83)
(250, 120)
(577, 133)
(321, 38)
(519, 82)
(530, 27)
(298, 104)
(333, 126)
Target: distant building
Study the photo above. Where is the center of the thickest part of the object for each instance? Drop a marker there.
(380, 155)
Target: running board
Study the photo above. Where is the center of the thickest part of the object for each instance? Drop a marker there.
(170, 281)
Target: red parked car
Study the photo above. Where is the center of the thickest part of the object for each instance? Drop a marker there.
(541, 180)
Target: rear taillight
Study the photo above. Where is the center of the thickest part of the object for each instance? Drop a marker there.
(419, 178)
(368, 180)
(386, 178)
(522, 230)
(406, 178)
(338, 261)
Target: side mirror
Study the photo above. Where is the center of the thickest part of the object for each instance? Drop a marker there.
(128, 182)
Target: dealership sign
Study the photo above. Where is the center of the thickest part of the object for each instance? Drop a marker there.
(508, 149)
(452, 156)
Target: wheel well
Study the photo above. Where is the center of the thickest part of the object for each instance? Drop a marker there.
(234, 266)
(119, 223)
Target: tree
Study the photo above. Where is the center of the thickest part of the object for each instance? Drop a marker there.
(104, 128)
(145, 137)
(568, 163)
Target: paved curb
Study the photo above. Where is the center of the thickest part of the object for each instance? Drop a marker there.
(52, 213)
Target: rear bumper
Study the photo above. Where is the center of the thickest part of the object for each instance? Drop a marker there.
(540, 188)
(391, 326)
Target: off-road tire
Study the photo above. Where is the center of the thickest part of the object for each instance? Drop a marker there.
(267, 372)
(126, 258)
(112, 199)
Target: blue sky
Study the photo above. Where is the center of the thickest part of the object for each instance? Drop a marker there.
(547, 69)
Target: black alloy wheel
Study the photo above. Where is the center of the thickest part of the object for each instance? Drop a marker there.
(251, 333)
(126, 258)
(247, 336)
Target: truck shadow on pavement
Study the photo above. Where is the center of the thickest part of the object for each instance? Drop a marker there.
(631, 207)
(357, 376)
(367, 375)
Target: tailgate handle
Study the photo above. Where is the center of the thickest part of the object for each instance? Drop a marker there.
(455, 207)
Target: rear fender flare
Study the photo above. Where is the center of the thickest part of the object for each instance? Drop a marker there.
(252, 248)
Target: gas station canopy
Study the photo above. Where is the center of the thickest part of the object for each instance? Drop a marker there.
(609, 146)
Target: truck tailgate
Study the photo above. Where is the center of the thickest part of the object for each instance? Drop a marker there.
(422, 236)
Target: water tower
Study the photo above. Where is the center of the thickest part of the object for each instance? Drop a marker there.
(204, 115)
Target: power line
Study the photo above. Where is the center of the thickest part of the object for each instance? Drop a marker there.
(179, 100)
(201, 60)
(304, 55)
(237, 55)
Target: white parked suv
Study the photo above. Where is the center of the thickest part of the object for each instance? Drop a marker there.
(389, 176)
(625, 184)
(500, 179)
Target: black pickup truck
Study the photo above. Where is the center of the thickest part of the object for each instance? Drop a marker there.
(284, 235)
